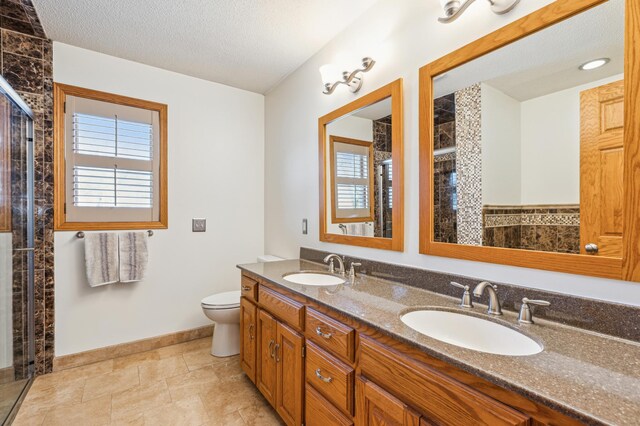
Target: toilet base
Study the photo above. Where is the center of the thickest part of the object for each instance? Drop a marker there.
(226, 340)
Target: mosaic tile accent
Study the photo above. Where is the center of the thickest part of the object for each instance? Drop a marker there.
(448, 156)
(27, 64)
(469, 165)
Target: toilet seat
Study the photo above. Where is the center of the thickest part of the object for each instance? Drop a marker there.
(226, 300)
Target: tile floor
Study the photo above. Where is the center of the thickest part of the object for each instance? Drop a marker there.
(175, 385)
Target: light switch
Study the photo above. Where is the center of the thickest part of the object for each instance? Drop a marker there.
(304, 227)
(198, 225)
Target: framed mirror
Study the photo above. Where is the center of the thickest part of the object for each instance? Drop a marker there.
(361, 173)
(529, 143)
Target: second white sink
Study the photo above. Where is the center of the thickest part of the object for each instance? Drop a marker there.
(471, 332)
(313, 279)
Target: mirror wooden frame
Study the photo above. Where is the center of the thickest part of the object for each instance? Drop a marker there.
(396, 242)
(625, 268)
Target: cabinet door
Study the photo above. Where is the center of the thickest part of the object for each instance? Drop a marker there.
(266, 361)
(248, 338)
(289, 366)
(376, 407)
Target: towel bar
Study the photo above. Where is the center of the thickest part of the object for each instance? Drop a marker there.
(80, 234)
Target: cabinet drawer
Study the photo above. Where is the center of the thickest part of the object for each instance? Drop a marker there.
(320, 412)
(444, 400)
(249, 288)
(282, 307)
(331, 377)
(330, 334)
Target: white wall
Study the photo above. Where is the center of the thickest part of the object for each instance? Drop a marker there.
(6, 300)
(401, 36)
(551, 146)
(501, 171)
(216, 171)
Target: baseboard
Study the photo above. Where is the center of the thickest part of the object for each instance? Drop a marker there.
(6, 375)
(102, 354)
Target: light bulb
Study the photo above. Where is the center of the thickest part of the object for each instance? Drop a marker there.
(329, 74)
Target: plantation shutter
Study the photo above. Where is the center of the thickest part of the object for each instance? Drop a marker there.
(352, 179)
(112, 159)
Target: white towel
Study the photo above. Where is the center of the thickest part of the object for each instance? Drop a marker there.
(133, 256)
(101, 258)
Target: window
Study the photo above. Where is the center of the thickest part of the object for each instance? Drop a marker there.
(351, 163)
(111, 151)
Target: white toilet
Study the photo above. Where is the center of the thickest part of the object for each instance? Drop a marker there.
(224, 310)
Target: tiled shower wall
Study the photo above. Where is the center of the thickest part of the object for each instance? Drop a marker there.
(27, 64)
(541, 228)
(382, 149)
(445, 196)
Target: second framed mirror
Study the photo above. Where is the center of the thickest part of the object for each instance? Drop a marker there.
(361, 173)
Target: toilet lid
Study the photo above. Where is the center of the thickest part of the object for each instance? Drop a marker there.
(223, 300)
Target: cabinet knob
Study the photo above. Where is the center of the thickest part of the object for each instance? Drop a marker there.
(591, 248)
(251, 336)
(321, 377)
(271, 342)
(323, 335)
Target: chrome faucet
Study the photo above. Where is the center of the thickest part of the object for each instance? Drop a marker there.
(494, 303)
(330, 258)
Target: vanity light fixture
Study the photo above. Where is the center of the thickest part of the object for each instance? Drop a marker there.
(331, 77)
(596, 63)
(454, 8)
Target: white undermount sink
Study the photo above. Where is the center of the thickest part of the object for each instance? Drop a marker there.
(313, 278)
(471, 332)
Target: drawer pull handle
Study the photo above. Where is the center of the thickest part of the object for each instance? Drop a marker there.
(321, 377)
(271, 349)
(251, 336)
(324, 335)
(246, 288)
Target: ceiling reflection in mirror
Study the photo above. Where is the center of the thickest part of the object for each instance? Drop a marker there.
(360, 173)
(528, 146)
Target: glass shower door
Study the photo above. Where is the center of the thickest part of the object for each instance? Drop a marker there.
(16, 250)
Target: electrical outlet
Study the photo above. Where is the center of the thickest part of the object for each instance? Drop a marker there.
(198, 225)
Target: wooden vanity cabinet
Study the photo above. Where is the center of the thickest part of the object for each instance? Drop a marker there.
(289, 374)
(248, 333)
(378, 407)
(266, 361)
(352, 374)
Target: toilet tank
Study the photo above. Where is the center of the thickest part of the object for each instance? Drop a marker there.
(268, 258)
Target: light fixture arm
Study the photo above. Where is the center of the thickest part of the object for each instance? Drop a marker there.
(351, 79)
(454, 8)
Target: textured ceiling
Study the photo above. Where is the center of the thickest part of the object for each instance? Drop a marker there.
(548, 61)
(249, 44)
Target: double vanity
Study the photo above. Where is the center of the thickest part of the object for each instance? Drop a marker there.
(337, 349)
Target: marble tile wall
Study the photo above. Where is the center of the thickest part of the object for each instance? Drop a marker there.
(382, 149)
(27, 64)
(445, 177)
(541, 228)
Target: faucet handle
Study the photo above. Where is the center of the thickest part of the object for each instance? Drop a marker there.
(466, 296)
(526, 317)
(332, 267)
(352, 269)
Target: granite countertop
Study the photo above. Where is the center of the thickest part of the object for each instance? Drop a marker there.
(592, 377)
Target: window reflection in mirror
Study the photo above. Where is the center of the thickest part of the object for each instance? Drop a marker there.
(359, 171)
(528, 147)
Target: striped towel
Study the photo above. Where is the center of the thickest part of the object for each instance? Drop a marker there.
(101, 258)
(133, 256)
